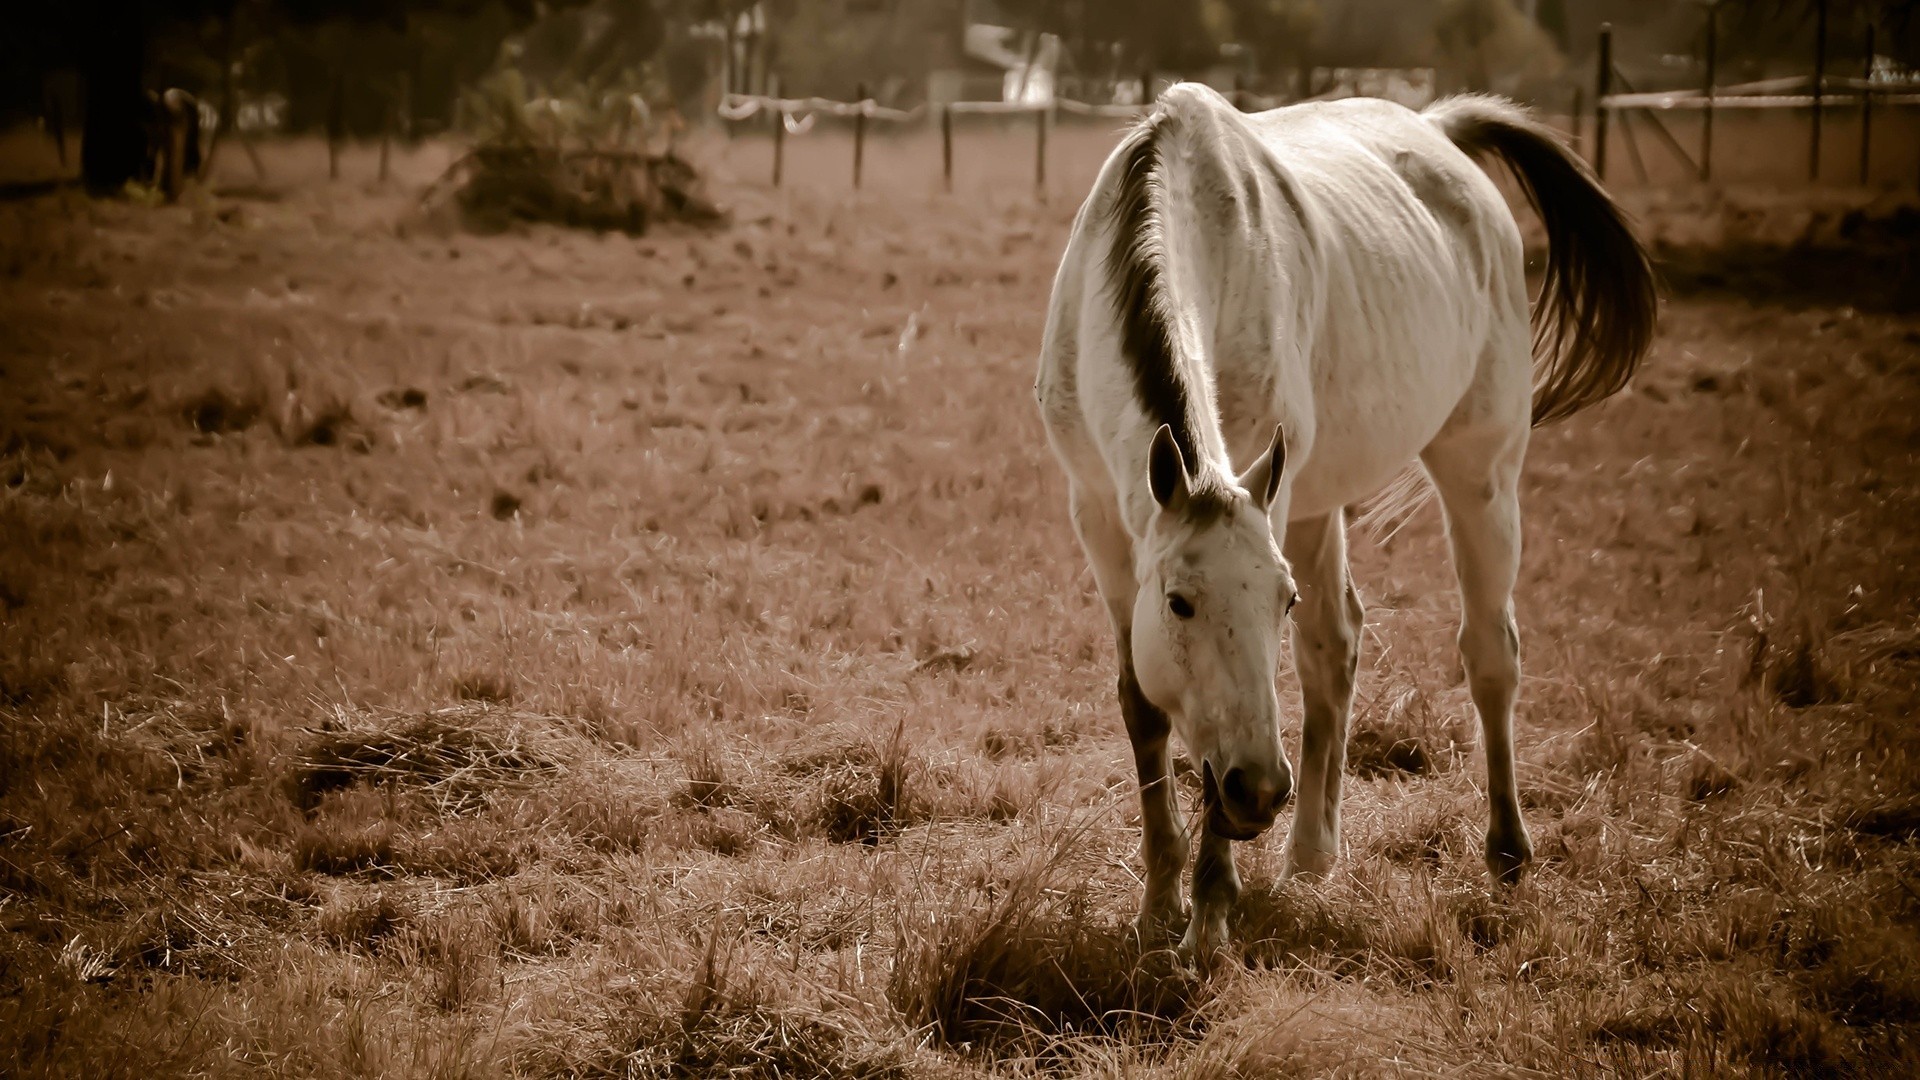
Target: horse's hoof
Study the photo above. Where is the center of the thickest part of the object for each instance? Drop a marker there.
(1204, 945)
(1155, 928)
(1508, 856)
(1308, 864)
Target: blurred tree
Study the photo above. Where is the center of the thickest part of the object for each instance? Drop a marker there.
(1491, 45)
(1281, 33)
(111, 43)
(1755, 31)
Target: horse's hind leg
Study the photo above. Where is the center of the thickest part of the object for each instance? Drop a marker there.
(1326, 655)
(1476, 469)
(1163, 841)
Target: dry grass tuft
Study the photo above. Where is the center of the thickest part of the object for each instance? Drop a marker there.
(458, 954)
(706, 784)
(1408, 738)
(352, 919)
(216, 412)
(869, 796)
(459, 757)
(1027, 961)
(339, 847)
(1897, 818)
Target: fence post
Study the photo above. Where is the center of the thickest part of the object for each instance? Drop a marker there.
(1706, 119)
(859, 131)
(1602, 85)
(946, 146)
(1819, 88)
(1040, 152)
(1866, 111)
(779, 129)
(1146, 87)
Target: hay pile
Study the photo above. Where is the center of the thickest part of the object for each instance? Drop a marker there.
(585, 161)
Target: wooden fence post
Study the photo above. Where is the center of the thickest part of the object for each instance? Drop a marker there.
(859, 131)
(946, 146)
(1866, 112)
(1602, 85)
(779, 129)
(1706, 119)
(1819, 88)
(1040, 152)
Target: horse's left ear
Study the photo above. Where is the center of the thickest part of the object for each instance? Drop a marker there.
(1262, 478)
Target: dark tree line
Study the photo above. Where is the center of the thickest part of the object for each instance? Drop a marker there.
(124, 49)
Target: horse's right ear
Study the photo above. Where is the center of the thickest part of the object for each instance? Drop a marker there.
(1167, 471)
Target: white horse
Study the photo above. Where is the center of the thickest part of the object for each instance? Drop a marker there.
(1331, 292)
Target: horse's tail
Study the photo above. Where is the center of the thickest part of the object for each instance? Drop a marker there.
(1596, 312)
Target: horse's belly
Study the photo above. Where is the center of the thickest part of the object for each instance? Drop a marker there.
(1378, 408)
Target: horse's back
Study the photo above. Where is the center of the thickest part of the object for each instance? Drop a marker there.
(1384, 176)
(1422, 271)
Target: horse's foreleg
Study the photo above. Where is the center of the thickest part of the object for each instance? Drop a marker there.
(1478, 480)
(1326, 657)
(1163, 840)
(1216, 889)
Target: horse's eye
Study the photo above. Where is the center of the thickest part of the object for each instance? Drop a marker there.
(1292, 600)
(1180, 605)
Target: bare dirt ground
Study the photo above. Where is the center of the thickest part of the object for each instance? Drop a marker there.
(568, 655)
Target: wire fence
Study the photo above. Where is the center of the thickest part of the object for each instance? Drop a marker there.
(796, 116)
(1616, 102)
(1817, 93)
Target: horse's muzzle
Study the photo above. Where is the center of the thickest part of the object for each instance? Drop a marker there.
(1244, 803)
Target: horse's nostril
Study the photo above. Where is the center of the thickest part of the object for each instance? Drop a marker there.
(1235, 791)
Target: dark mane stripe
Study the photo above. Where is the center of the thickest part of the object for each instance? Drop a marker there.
(1133, 271)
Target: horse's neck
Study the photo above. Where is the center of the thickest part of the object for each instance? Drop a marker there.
(1239, 287)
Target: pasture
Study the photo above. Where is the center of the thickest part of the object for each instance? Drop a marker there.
(549, 654)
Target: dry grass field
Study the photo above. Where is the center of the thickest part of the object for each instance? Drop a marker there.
(565, 655)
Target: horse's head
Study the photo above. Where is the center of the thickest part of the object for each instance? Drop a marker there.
(1207, 625)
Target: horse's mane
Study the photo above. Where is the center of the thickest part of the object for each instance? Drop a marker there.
(1135, 265)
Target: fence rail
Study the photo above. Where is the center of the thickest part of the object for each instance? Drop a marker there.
(1766, 94)
(1816, 93)
(796, 116)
